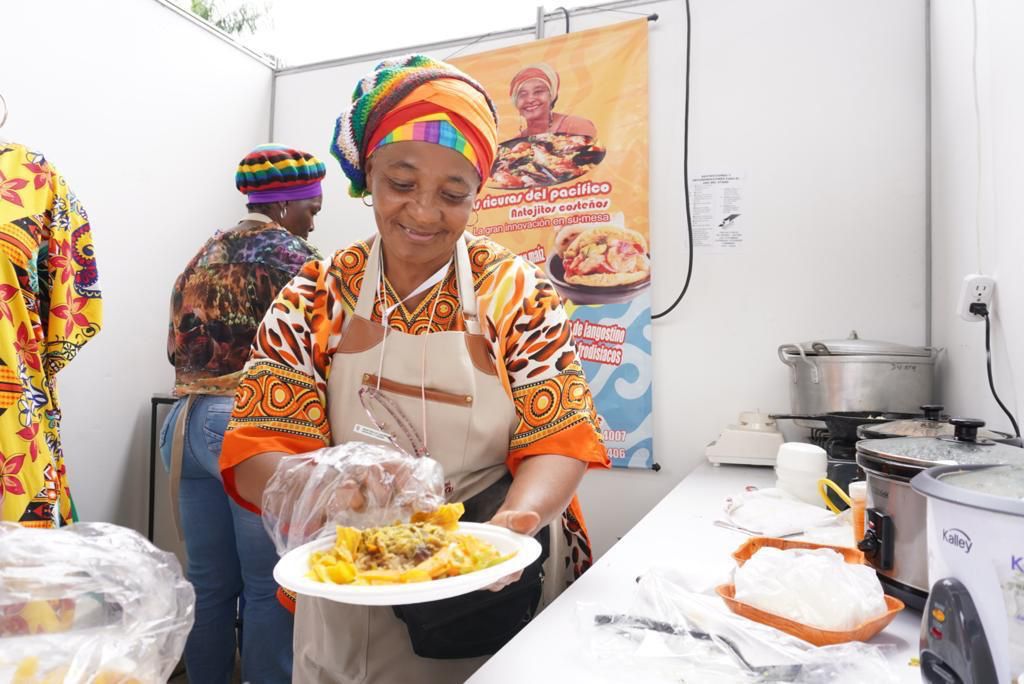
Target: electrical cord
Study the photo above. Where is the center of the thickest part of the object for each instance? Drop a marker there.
(566, 13)
(686, 177)
(977, 131)
(982, 310)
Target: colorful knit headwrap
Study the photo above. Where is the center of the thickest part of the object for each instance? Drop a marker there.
(275, 173)
(418, 91)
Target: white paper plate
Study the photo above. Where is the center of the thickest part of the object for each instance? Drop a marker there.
(290, 572)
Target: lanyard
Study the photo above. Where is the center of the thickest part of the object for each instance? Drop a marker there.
(385, 320)
(423, 287)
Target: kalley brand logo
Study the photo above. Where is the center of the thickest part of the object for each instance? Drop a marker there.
(958, 538)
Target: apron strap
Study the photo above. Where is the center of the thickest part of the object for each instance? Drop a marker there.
(463, 278)
(177, 456)
(368, 288)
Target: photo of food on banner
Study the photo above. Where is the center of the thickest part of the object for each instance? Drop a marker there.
(590, 263)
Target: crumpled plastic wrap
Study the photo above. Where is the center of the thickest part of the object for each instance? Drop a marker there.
(673, 633)
(92, 603)
(789, 583)
(353, 484)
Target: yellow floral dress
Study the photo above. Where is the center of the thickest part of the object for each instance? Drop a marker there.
(49, 307)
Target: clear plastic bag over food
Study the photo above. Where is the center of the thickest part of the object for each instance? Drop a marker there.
(792, 584)
(91, 603)
(674, 633)
(353, 484)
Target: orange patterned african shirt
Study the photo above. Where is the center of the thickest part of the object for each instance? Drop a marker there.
(49, 307)
(281, 404)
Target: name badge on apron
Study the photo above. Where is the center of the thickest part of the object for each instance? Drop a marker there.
(371, 433)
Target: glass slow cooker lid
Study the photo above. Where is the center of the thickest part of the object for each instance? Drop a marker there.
(964, 448)
(921, 427)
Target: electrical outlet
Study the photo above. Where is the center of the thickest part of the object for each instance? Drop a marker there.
(976, 289)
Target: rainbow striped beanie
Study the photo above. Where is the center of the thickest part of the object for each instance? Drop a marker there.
(275, 173)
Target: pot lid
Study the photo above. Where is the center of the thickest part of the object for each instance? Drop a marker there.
(921, 427)
(854, 346)
(997, 488)
(964, 448)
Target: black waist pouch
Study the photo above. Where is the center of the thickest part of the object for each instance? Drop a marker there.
(481, 622)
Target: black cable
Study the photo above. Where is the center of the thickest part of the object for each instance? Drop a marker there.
(982, 310)
(686, 176)
(991, 383)
(566, 13)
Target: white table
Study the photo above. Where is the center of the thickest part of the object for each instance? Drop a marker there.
(549, 649)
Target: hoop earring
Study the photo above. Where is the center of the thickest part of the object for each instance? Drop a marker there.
(365, 203)
(3, 119)
(476, 216)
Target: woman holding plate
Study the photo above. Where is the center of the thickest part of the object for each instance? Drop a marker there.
(471, 343)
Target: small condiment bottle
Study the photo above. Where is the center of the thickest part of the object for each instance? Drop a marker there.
(859, 499)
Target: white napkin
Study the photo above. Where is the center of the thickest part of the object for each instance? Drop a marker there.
(774, 513)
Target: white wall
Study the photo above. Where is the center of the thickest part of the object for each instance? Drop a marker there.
(147, 116)
(954, 174)
(822, 103)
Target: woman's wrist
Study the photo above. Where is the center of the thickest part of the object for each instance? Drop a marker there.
(545, 485)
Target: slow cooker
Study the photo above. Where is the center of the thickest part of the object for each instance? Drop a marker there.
(976, 571)
(895, 536)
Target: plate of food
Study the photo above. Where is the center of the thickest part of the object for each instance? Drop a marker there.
(543, 159)
(601, 264)
(432, 557)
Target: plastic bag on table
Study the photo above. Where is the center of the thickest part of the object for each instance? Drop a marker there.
(789, 583)
(353, 484)
(672, 634)
(91, 603)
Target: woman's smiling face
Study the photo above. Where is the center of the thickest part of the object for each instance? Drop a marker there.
(533, 100)
(423, 196)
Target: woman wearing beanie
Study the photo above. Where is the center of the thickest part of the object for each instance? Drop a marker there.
(480, 342)
(216, 305)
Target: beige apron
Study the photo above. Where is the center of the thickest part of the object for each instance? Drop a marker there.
(469, 420)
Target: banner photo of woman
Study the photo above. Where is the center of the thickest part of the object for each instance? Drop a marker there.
(568, 191)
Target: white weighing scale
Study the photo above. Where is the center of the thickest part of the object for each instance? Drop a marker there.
(754, 441)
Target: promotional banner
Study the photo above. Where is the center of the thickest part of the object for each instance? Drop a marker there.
(568, 191)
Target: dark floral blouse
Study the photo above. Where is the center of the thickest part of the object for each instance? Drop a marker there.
(219, 300)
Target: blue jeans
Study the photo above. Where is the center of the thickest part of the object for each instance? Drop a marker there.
(230, 561)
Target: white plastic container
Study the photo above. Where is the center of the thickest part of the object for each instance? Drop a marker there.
(798, 467)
